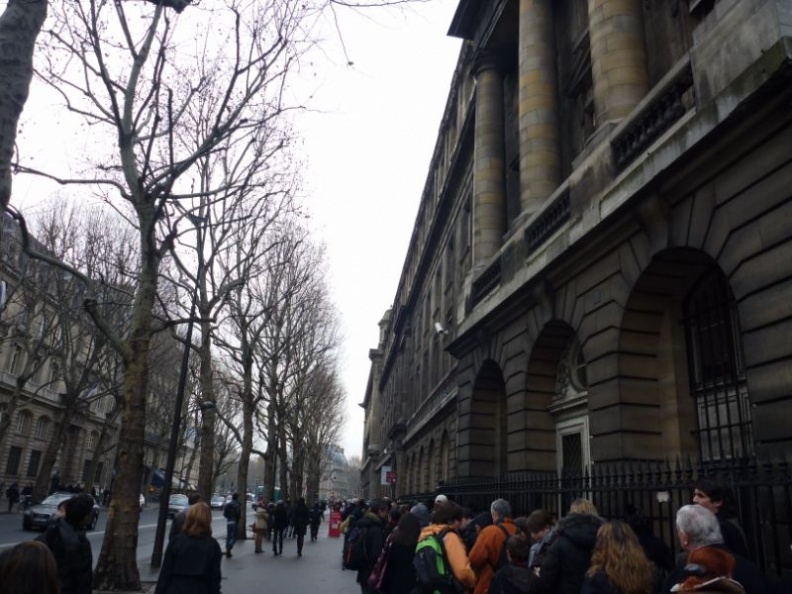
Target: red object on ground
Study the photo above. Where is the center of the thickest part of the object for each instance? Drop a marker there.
(334, 525)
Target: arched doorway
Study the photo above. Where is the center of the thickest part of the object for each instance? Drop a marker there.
(483, 442)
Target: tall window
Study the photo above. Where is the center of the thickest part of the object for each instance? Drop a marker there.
(15, 359)
(23, 422)
(14, 458)
(717, 370)
(33, 463)
(42, 428)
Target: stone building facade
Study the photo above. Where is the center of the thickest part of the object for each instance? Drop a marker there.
(601, 265)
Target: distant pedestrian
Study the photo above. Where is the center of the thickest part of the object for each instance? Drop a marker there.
(192, 560)
(300, 523)
(66, 538)
(260, 525)
(280, 524)
(232, 512)
(28, 568)
(315, 518)
(12, 494)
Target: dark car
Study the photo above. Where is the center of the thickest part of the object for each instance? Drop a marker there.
(37, 517)
(177, 504)
(218, 502)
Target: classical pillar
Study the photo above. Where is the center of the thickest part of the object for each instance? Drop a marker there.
(540, 152)
(489, 182)
(618, 57)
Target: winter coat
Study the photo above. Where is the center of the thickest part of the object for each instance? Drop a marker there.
(456, 553)
(746, 573)
(568, 558)
(486, 553)
(399, 573)
(301, 514)
(315, 515)
(599, 584)
(374, 533)
(281, 517)
(191, 566)
(512, 579)
(73, 556)
(260, 522)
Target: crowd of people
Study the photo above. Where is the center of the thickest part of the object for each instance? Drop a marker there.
(582, 553)
(448, 549)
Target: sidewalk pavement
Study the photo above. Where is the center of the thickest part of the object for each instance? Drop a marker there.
(318, 571)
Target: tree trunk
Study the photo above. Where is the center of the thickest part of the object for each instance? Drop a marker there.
(244, 462)
(270, 463)
(284, 463)
(117, 566)
(56, 441)
(101, 446)
(209, 416)
(20, 24)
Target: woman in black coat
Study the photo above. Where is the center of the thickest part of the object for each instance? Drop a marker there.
(66, 538)
(192, 559)
(399, 575)
(301, 516)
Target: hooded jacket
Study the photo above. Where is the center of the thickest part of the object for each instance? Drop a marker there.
(564, 566)
(374, 533)
(512, 579)
(455, 551)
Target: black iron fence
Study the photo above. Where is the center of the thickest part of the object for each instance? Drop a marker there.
(657, 489)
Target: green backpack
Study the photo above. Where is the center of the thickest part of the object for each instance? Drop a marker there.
(432, 570)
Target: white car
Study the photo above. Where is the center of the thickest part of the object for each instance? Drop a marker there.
(142, 501)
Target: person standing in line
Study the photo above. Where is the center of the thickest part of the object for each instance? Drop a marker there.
(486, 554)
(514, 577)
(720, 501)
(315, 518)
(448, 516)
(192, 560)
(372, 528)
(301, 517)
(618, 564)
(232, 513)
(28, 568)
(399, 577)
(65, 537)
(281, 523)
(564, 566)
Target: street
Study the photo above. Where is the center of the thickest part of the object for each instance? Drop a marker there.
(318, 570)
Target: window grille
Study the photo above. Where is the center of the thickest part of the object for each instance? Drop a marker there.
(717, 370)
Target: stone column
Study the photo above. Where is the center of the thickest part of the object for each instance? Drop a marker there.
(489, 181)
(618, 57)
(540, 151)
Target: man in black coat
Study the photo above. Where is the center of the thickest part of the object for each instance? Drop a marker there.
(372, 525)
(281, 522)
(66, 538)
(698, 527)
(564, 566)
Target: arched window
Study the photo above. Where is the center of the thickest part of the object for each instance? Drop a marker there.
(42, 428)
(24, 419)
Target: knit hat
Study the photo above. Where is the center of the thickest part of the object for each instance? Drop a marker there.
(421, 512)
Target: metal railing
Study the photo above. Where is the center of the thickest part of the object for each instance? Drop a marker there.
(762, 488)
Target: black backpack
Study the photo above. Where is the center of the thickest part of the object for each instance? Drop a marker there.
(432, 570)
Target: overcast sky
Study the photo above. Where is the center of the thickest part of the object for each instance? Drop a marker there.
(367, 140)
(369, 155)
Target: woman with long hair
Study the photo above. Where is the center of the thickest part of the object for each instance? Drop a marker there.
(618, 564)
(28, 568)
(710, 570)
(192, 559)
(399, 576)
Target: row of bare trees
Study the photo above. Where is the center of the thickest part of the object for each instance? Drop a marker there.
(185, 108)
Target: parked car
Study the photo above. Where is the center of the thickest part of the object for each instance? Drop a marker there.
(217, 502)
(37, 517)
(142, 501)
(176, 504)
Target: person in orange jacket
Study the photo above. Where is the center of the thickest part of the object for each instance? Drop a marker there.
(486, 554)
(449, 515)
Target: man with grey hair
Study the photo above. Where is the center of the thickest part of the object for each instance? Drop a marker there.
(489, 553)
(698, 527)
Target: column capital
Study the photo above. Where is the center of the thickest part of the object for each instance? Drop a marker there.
(487, 60)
